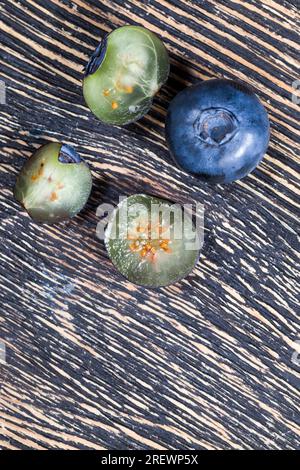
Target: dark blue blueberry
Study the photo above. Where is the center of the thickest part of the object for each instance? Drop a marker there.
(96, 58)
(217, 130)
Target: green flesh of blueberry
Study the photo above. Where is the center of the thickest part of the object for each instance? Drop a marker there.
(54, 184)
(146, 241)
(124, 73)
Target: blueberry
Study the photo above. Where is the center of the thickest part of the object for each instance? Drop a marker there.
(124, 73)
(54, 184)
(218, 130)
(151, 241)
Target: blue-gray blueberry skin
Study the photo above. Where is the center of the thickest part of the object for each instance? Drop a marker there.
(218, 130)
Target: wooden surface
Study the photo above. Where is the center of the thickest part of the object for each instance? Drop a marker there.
(93, 361)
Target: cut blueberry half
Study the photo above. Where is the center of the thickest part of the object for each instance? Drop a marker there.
(151, 241)
(54, 184)
(124, 73)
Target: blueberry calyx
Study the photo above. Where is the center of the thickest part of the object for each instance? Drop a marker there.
(96, 58)
(215, 126)
(68, 155)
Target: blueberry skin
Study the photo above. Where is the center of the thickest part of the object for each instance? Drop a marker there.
(218, 130)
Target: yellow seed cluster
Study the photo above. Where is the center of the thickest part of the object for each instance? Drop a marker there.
(118, 87)
(148, 247)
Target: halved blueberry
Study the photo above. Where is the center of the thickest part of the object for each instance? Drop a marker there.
(54, 184)
(217, 130)
(151, 241)
(124, 73)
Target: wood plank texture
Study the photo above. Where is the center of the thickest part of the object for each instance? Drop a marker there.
(94, 362)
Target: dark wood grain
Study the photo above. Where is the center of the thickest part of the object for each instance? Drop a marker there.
(93, 361)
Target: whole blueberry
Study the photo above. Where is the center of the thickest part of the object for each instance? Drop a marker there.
(217, 130)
